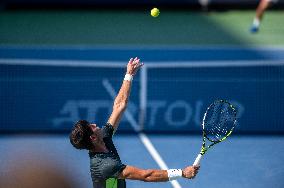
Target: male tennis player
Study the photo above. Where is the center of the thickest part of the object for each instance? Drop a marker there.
(105, 162)
(262, 6)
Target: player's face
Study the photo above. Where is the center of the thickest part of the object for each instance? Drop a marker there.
(97, 133)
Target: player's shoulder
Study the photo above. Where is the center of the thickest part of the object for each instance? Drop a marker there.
(108, 130)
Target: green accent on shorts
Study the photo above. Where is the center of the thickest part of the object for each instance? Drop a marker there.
(111, 183)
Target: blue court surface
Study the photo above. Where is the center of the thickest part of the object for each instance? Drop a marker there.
(41, 93)
(241, 161)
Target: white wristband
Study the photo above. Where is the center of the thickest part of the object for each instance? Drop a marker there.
(128, 77)
(174, 174)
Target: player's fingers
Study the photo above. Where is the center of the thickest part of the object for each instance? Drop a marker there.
(133, 64)
(136, 60)
(136, 63)
(196, 167)
(141, 64)
(130, 60)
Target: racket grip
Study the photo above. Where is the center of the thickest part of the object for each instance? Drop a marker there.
(197, 160)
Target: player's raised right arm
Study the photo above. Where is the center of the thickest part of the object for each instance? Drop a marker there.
(121, 100)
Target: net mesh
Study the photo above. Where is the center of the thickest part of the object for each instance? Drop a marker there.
(219, 120)
(58, 96)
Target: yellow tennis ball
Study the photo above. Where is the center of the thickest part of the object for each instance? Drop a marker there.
(155, 12)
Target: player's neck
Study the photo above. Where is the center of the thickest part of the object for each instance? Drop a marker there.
(100, 148)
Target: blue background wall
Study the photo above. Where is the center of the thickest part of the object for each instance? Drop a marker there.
(51, 98)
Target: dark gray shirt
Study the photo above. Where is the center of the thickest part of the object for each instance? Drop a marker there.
(105, 165)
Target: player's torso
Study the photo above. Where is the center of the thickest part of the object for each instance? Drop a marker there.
(105, 165)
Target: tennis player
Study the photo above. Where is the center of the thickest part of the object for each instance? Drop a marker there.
(106, 168)
(262, 6)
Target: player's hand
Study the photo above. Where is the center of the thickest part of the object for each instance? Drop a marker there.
(133, 66)
(190, 172)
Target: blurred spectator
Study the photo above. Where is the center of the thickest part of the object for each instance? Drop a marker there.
(33, 174)
(204, 4)
(262, 6)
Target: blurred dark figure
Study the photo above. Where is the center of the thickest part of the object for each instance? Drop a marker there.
(33, 174)
(204, 4)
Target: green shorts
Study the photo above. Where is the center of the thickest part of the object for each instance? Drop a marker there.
(110, 183)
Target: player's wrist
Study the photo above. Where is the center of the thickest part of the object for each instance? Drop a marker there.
(174, 174)
(183, 174)
(128, 77)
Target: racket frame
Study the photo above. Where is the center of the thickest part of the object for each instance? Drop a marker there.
(205, 148)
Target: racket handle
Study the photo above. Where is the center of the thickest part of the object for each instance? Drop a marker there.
(197, 160)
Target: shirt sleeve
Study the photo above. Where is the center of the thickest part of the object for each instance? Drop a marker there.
(118, 170)
(108, 130)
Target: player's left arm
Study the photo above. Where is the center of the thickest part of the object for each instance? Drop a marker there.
(121, 100)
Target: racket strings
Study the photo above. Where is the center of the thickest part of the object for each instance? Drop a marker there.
(219, 121)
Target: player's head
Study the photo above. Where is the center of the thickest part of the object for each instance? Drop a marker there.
(80, 135)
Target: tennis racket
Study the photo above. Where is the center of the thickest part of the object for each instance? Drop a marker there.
(218, 123)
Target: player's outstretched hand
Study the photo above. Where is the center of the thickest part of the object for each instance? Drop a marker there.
(133, 66)
(190, 172)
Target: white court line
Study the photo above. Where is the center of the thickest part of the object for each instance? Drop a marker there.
(121, 64)
(143, 96)
(144, 139)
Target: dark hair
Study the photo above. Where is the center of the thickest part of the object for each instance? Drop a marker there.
(80, 135)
